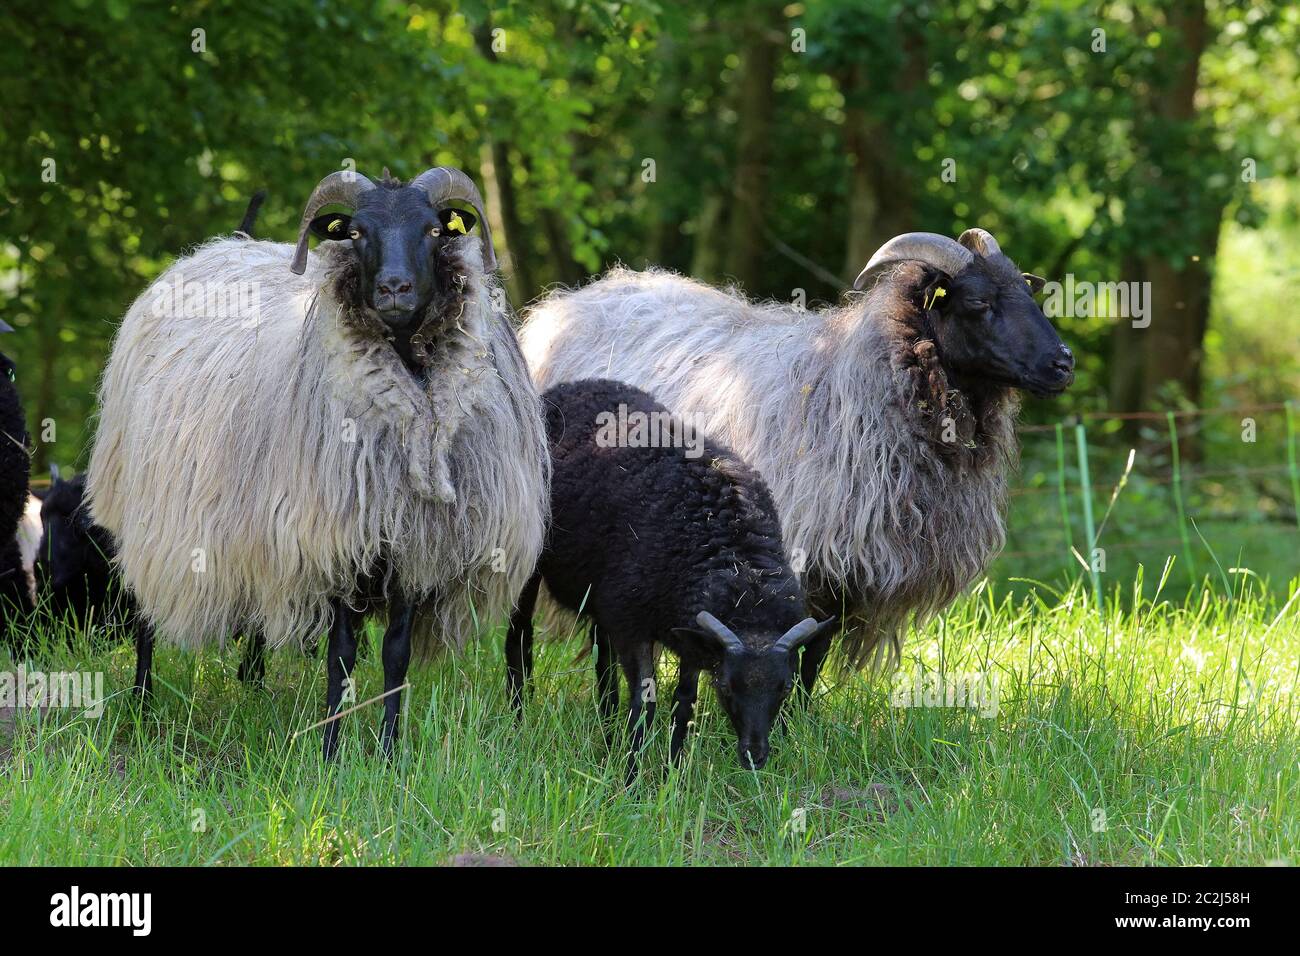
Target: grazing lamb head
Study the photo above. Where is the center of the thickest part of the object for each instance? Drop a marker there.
(752, 680)
(986, 324)
(395, 232)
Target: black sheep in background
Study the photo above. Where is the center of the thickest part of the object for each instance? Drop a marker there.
(15, 474)
(74, 570)
(75, 573)
(677, 544)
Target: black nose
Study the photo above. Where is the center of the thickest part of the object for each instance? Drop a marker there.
(1065, 361)
(753, 754)
(394, 285)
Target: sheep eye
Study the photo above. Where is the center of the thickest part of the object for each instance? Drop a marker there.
(435, 230)
(354, 234)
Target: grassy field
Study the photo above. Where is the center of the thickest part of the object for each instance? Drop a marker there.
(1160, 733)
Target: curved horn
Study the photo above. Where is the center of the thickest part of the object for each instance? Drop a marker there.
(980, 241)
(946, 255)
(719, 630)
(445, 184)
(800, 634)
(341, 187)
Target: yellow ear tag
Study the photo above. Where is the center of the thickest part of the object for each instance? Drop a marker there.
(938, 291)
(334, 226)
(456, 224)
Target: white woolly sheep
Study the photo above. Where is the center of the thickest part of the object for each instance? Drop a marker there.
(360, 429)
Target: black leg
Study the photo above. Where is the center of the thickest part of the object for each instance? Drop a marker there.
(341, 658)
(143, 658)
(639, 668)
(519, 645)
(688, 686)
(606, 680)
(397, 656)
(252, 669)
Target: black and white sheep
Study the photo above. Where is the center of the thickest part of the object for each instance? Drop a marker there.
(15, 477)
(361, 434)
(669, 542)
(884, 427)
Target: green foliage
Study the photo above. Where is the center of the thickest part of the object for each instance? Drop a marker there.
(1059, 146)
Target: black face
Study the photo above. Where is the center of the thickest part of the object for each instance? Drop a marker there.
(751, 686)
(990, 329)
(395, 233)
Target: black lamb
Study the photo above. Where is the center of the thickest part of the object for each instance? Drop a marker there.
(15, 474)
(672, 541)
(74, 564)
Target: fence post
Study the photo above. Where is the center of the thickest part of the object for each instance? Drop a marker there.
(1090, 530)
(1291, 458)
(1060, 487)
(1178, 497)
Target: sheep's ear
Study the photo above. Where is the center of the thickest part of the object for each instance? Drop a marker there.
(456, 222)
(332, 225)
(934, 293)
(1036, 283)
(703, 636)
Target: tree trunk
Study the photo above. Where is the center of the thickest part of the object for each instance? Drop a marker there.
(518, 281)
(759, 59)
(864, 203)
(563, 266)
(1171, 351)
(1180, 315)
(710, 225)
(881, 203)
(511, 240)
(1128, 352)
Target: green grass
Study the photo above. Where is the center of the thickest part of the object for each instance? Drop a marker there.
(1151, 734)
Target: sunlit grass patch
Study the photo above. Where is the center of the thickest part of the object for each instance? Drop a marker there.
(1148, 733)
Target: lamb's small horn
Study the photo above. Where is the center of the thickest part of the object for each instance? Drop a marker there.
(445, 184)
(980, 241)
(341, 187)
(719, 630)
(799, 635)
(946, 255)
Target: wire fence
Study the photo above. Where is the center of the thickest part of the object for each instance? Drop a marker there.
(1087, 491)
